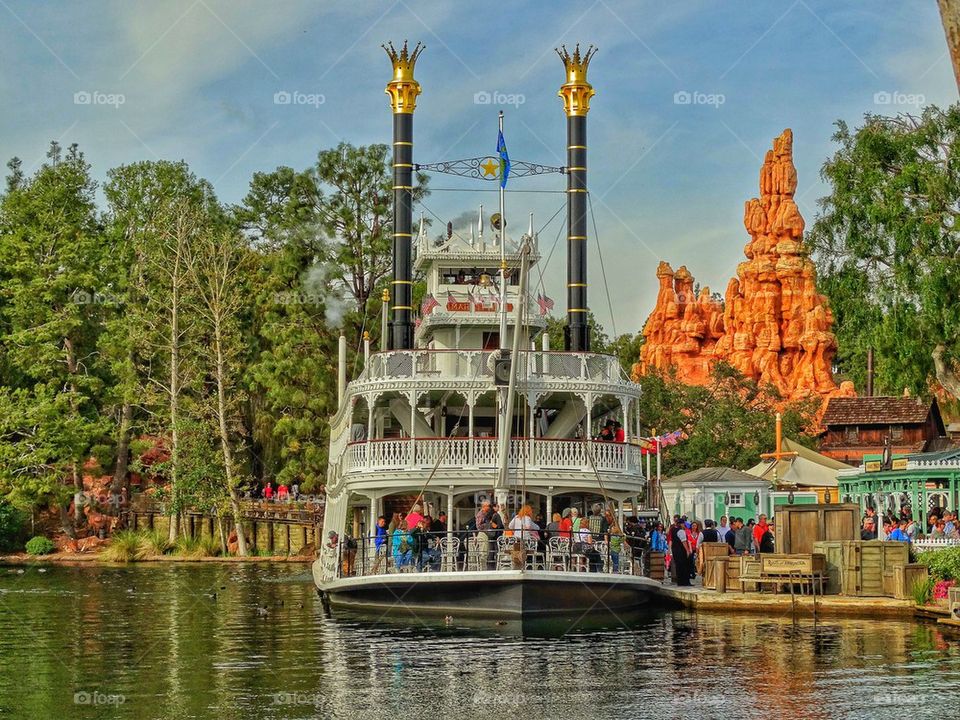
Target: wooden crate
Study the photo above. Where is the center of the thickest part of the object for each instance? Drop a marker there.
(800, 526)
(864, 563)
(832, 550)
(899, 580)
(720, 573)
(655, 567)
(711, 551)
(733, 574)
(749, 569)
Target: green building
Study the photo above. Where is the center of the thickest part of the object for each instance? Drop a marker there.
(923, 481)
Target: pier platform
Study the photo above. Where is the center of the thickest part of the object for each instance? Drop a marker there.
(703, 599)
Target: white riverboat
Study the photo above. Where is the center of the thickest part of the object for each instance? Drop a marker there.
(470, 405)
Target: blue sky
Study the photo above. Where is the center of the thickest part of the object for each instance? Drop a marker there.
(197, 79)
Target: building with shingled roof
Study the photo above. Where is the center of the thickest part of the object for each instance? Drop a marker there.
(860, 426)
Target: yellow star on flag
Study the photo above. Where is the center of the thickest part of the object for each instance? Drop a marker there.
(490, 167)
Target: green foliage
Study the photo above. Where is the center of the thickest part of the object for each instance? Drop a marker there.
(153, 543)
(40, 545)
(196, 547)
(922, 591)
(13, 527)
(125, 546)
(944, 563)
(599, 340)
(728, 422)
(887, 248)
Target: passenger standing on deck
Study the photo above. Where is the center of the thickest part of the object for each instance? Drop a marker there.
(696, 540)
(759, 529)
(744, 537)
(730, 537)
(723, 528)
(566, 524)
(680, 550)
(767, 540)
(553, 527)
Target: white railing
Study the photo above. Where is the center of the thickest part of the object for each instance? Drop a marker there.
(938, 544)
(482, 453)
(476, 365)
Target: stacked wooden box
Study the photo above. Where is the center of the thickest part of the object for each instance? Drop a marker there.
(864, 563)
(799, 527)
(712, 551)
(899, 581)
(857, 567)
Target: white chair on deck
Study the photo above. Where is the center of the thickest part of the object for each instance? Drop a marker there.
(504, 556)
(558, 553)
(535, 558)
(449, 550)
(603, 548)
(476, 554)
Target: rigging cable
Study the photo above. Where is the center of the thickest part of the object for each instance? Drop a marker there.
(603, 270)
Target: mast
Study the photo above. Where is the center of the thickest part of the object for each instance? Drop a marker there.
(403, 91)
(503, 259)
(506, 417)
(576, 94)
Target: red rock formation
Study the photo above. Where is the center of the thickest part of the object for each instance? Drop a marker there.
(773, 325)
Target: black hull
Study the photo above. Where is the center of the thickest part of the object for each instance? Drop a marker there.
(501, 595)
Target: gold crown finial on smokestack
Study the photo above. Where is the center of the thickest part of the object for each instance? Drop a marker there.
(576, 91)
(403, 89)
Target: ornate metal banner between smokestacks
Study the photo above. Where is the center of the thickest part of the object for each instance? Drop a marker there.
(576, 93)
(403, 91)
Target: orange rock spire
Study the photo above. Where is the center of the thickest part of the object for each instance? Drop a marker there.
(772, 325)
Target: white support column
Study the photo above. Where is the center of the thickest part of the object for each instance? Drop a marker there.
(413, 423)
(449, 515)
(471, 400)
(549, 515)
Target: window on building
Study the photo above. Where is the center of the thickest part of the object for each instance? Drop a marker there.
(736, 499)
(852, 434)
(896, 432)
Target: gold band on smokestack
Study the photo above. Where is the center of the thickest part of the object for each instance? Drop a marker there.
(576, 93)
(403, 91)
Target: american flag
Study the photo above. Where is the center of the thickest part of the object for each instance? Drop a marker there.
(428, 304)
(451, 298)
(545, 303)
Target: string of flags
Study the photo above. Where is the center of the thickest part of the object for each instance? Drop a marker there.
(650, 445)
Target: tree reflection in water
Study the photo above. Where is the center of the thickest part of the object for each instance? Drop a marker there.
(219, 641)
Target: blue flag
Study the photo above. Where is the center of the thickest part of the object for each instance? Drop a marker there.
(504, 160)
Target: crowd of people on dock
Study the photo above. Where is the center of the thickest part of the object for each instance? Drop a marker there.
(941, 524)
(682, 542)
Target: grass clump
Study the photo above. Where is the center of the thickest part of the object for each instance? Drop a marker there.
(125, 546)
(922, 591)
(196, 547)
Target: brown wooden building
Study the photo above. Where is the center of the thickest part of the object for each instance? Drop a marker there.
(860, 426)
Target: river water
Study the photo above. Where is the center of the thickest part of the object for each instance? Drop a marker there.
(252, 641)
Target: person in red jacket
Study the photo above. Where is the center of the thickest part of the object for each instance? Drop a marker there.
(566, 525)
(759, 529)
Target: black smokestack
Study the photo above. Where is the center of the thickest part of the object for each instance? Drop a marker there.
(403, 91)
(576, 94)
